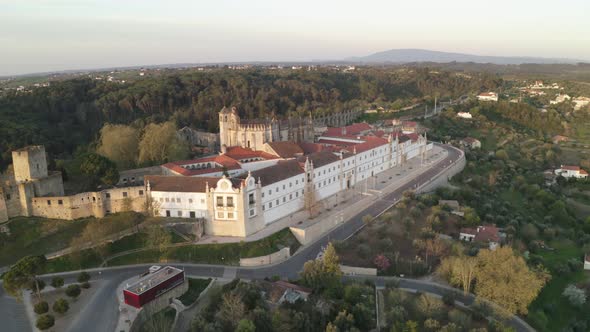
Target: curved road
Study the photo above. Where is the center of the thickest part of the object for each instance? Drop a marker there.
(101, 314)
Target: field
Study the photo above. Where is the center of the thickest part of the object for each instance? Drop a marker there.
(226, 253)
(38, 236)
(551, 311)
(394, 235)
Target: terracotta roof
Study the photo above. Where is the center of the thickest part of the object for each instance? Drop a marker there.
(196, 184)
(239, 153)
(286, 149)
(353, 129)
(217, 164)
(370, 143)
(320, 159)
(570, 168)
(284, 169)
(485, 233)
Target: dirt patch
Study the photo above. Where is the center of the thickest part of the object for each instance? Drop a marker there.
(63, 322)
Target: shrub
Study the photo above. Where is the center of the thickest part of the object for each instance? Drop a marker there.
(382, 262)
(85, 285)
(44, 322)
(73, 291)
(41, 307)
(575, 295)
(57, 282)
(449, 298)
(83, 277)
(61, 306)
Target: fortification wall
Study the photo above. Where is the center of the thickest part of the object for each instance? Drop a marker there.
(90, 204)
(50, 185)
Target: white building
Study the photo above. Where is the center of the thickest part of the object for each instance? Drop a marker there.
(580, 102)
(587, 262)
(488, 96)
(571, 172)
(249, 200)
(560, 99)
(464, 115)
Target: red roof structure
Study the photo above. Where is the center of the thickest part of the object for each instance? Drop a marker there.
(485, 233)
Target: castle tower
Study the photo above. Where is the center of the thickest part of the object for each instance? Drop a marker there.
(29, 163)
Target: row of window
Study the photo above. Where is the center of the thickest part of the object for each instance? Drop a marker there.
(178, 200)
(107, 195)
(284, 200)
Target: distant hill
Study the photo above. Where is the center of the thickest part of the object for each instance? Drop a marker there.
(419, 55)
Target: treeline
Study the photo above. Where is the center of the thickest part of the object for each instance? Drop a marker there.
(69, 114)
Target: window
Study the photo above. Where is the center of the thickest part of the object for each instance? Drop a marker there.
(263, 207)
(161, 199)
(290, 196)
(167, 213)
(202, 201)
(178, 200)
(290, 184)
(269, 205)
(296, 182)
(124, 194)
(277, 189)
(251, 199)
(219, 201)
(167, 199)
(277, 201)
(48, 202)
(192, 214)
(283, 187)
(296, 194)
(141, 193)
(190, 200)
(108, 195)
(7, 197)
(230, 215)
(93, 199)
(60, 202)
(251, 212)
(284, 199)
(262, 194)
(269, 192)
(219, 215)
(230, 201)
(180, 213)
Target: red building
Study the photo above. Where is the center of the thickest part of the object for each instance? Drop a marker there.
(152, 285)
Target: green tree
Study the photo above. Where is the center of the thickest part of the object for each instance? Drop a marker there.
(505, 278)
(57, 282)
(83, 277)
(160, 143)
(22, 273)
(73, 291)
(45, 322)
(246, 325)
(119, 143)
(61, 306)
(99, 169)
(325, 273)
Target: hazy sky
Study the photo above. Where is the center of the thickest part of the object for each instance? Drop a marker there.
(45, 35)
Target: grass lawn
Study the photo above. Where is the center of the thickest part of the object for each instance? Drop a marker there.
(90, 258)
(551, 311)
(160, 322)
(222, 253)
(195, 287)
(38, 236)
(226, 253)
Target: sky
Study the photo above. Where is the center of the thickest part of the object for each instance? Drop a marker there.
(51, 35)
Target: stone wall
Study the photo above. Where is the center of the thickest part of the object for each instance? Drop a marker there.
(158, 304)
(275, 257)
(3, 209)
(353, 270)
(200, 138)
(337, 119)
(445, 176)
(134, 177)
(90, 204)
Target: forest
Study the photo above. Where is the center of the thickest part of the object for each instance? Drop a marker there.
(67, 116)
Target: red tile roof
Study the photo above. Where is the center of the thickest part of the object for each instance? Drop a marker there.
(284, 169)
(370, 143)
(485, 233)
(286, 149)
(240, 153)
(570, 168)
(353, 129)
(184, 184)
(217, 164)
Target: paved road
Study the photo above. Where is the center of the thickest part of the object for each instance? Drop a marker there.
(101, 313)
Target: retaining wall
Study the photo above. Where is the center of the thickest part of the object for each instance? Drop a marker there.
(353, 270)
(275, 257)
